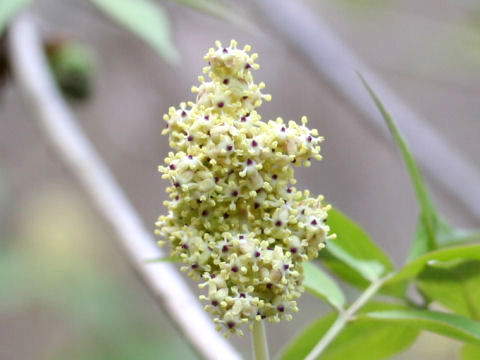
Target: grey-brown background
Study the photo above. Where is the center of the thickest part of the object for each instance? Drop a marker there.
(65, 291)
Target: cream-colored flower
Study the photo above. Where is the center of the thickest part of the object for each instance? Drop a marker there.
(234, 217)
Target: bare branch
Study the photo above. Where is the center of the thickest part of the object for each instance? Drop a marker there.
(32, 76)
(334, 62)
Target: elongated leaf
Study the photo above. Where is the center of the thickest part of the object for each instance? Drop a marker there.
(8, 9)
(454, 285)
(470, 352)
(428, 212)
(145, 19)
(451, 325)
(172, 259)
(320, 284)
(214, 8)
(411, 270)
(353, 256)
(362, 339)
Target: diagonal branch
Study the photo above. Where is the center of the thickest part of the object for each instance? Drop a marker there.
(336, 64)
(32, 76)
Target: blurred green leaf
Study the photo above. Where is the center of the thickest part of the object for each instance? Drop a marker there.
(412, 269)
(450, 325)
(172, 259)
(145, 19)
(425, 238)
(353, 256)
(454, 285)
(8, 9)
(320, 284)
(362, 339)
(470, 352)
(211, 7)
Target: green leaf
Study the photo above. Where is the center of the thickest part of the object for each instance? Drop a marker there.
(412, 269)
(320, 284)
(428, 213)
(454, 285)
(145, 19)
(8, 9)
(172, 259)
(214, 8)
(450, 325)
(470, 352)
(362, 339)
(353, 256)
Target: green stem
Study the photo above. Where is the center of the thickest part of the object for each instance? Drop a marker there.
(259, 341)
(344, 317)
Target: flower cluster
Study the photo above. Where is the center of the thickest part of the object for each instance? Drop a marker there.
(235, 219)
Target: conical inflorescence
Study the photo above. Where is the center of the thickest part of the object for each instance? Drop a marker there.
(235, 219)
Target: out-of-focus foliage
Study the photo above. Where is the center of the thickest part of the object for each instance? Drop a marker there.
(72, 66)
(61, 267)
(145, 19)
(8, 9)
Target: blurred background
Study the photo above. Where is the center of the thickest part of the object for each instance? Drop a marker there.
(66, 291)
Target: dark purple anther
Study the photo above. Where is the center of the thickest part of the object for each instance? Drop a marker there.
(184, 113)
(289, 190)
(257, 253)
(235, 193)
(226, 81)
(281, 308)
(242, 295)
(226, 216)
(269, 285)
(190, 157)
(243, 119)
(176, 184)
(194, 266)
(213, 276)
(241, 237)
(216, 179)
(235, 268)
(278, 223)
(190, 138)
(231, 324)
(185, 246)
(293, 250)
(309, 139)
(215, 303)
(206, 117)
(224, 248)
(286, 266)
(249, 162)
(283, 129)
(172, 167)
(220, 104)
(314, 222)
(177, 197)
(256, 205)
(248, 66)
(225, 50)
(275, 176)
(229, 148)
(204, 212)
(254, 143)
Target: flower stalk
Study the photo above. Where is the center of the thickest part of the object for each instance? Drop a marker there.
(259, 341)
